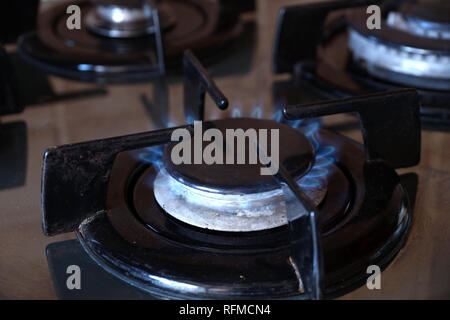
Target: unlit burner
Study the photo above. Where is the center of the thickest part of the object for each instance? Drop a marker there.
(236, 198)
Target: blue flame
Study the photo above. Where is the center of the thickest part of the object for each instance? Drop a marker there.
(236, 110)
(297, 123)
(236, 113)
(257, 113)
(190, 120)
(277, 116)
(152, 155)
(324, 155)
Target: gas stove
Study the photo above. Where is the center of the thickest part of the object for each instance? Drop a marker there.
(330, 47)
(346, 194)
(334, 208)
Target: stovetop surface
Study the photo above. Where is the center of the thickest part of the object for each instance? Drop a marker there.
(419, 271)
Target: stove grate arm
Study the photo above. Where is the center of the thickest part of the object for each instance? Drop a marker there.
(389, 121)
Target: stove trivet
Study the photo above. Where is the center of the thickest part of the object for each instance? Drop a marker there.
(343, 57)
(322, 251)
(133, 49)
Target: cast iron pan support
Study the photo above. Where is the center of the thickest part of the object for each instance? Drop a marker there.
(306, 250)
(391, 130)
(156, 30)
(300, 30)
(306, 254)
(75, 177)
(196, 83)
(305, 245)
(390, 123)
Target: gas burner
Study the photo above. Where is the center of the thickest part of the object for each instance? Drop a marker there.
(127, 40)
(408, 44)
(119, 19)
(230, 197)
(178, 232)
(412, 49)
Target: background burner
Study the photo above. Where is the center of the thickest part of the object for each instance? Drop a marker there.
(342, 58)
(407, 49)
(200, 25)
(120, 19)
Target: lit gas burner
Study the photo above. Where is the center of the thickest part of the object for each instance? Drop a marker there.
(412, 48)
(345, 57)
(233, 197)
(180, 230)
(127, 40)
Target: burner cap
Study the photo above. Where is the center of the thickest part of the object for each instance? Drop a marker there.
(295, 153)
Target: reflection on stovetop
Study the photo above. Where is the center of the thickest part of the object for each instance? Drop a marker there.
(13, 154)
(96, 283)
(24, 85)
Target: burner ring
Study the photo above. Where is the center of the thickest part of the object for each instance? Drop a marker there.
(377, 57)
(143, 204)
(227, 212)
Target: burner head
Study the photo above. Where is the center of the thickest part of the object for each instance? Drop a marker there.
(296, 153)
(412, 45)
(236, 197)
